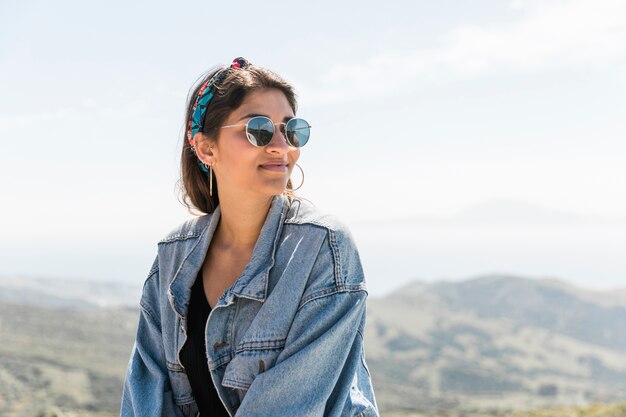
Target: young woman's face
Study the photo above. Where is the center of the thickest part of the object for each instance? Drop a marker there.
(243, 168)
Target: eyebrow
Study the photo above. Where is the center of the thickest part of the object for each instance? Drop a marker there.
(247, 116)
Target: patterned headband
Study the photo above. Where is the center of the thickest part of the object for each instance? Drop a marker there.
(204, 96)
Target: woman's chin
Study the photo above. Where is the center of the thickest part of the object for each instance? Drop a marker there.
(273, 189)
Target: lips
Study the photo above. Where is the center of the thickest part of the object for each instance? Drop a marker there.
(275, 166)
(278, 166)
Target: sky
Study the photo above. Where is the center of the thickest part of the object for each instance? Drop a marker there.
(422, 112)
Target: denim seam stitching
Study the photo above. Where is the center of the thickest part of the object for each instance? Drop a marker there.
(145, 307)
(170, 295)
(361, 329)
(184, 400)
(360, 333)
(150, 314)
(234, 383)
(370, 406)
(180, 236)
(329, 292)
(361, 286)
(154, 270)
(301, 222)
(319, 294)
(221, 360)
(276, 344)
(336, 257)
(362, 355)
(231, 328)
(174, 367)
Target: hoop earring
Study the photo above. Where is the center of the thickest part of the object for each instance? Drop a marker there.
(302, 183)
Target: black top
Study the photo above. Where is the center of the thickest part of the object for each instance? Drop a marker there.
(193, 354)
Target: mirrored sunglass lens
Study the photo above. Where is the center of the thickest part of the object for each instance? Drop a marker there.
(298, 132)
(260, 130)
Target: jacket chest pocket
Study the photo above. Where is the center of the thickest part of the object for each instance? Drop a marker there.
(249, 362)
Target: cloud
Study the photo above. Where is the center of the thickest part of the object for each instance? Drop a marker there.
(552, 34)
(547, 35)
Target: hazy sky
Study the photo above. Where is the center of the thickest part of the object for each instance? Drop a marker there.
(419, 109)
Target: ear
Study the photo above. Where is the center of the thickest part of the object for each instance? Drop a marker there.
(205, 148)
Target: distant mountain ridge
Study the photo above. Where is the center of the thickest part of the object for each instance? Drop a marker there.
(67, 293)
(537, 304)
(497, 341)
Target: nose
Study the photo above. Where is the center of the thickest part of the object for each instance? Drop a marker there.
(279, 143)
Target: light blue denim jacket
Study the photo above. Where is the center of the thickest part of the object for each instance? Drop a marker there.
(286, 339)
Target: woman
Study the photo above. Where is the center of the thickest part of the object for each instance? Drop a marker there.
(256, 308)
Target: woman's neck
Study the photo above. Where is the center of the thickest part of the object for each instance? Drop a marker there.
(241, 221)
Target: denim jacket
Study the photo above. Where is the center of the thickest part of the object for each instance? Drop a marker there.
(286, 339)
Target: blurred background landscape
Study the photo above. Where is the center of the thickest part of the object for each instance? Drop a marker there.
(492, 345)
(475, 149)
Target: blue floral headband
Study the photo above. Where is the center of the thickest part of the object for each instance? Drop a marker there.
(204, 96)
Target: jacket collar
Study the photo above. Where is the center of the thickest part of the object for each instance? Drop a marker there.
(253, 282)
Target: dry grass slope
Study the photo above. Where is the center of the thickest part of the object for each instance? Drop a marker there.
(596, 410)
(451, 350)
(58, 357)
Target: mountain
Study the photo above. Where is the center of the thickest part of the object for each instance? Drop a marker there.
(495, 236)
(489, 344)
(70, 293)
(496, 342)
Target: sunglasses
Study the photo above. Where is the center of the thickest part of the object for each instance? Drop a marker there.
(260, 131)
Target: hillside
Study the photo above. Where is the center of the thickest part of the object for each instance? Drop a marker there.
(64, 357)
(491, 344)
(496, 343)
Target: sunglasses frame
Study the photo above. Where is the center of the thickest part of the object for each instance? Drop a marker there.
(282, 129)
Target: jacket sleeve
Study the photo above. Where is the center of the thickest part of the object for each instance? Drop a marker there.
(147, 391)
(321, 371)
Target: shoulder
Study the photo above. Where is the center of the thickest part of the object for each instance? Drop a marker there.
(303, 213)
(171, 250)
(338, 259)
(189, 229)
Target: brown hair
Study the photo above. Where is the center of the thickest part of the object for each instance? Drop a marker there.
(229, 95)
